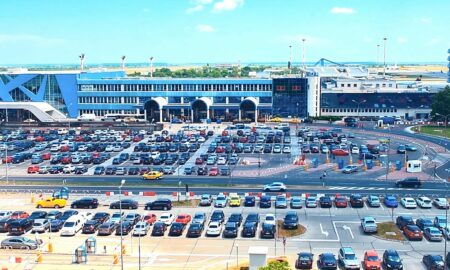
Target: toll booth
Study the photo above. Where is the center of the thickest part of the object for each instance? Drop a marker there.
(80, 255)
(315, 162)
(369, 164)
(414, 166)
(91, 245)
(63, 193)
(340, 164)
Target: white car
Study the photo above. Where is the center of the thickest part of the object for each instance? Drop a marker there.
(214, 229)
(275, 186)
(441, 203)
(201, 139)
(222, 161)
(68, 169)
(287, 149)
(270, 219)
(408, 202)
(141, 228)
(82, 148)
(311, 202)
(424, 202)
(5, 214)
(355, 150)
(117, 148)
(154, 155)
(167, 218)
(109, 148)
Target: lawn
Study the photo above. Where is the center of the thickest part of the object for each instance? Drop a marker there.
(187, 203)
(389, 231)
(440, 131)
(289, 233)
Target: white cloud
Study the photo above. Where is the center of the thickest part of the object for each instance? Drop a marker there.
(194, 9)
(227, 5)
(402, 40)
(33, 39)
(342, 10)
(425, 20)
(433, 41)
(205, 28)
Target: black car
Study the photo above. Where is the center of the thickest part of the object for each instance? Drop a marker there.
(195, 230)
(327, 261)
(159, 204)
(56, 225)
(85, 203)
(249, 201)
(268, 230)
(124, 204)
(391, 260)
(403, 221)
(249, 229)
(217, 216)
(325, 202)
(230, 230)
(133, 171)
(99, 170)
(38, 215)
(433, 262)
(265, 202)
(252, 217)
(177, 229)
(410, 182)
(67, 214)
(202, 171)
(91, 226)
(304, 260)
(356, 201)
(235, 217)
(20, 226)
(290, 221)
(124, 228)
(225, 171)
(422, 223)
(159, 228)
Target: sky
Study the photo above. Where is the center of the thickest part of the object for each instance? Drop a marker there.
(222, 31)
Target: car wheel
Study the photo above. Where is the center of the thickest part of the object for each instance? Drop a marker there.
(57, 206)
(165, 208)
(266, 189)
(90, 206)
(39, 206)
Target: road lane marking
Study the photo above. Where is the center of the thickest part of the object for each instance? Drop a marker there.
(322, 231)
(347, 228)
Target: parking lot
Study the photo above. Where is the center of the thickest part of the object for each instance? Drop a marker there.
(327, 230)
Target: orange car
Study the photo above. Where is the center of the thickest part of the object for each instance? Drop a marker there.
(33, 169)
(150, 218)
(412, 232)
(183, 218)
(371, 260)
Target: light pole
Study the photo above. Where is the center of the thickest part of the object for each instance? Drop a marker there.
(446, 219)
(359, 104)
(290, 59)
(122, 182)
(151, 66)
(81, 61)
(303, 52)
(384, 58)
(237, 256)
(123, 62)
(378, 56)
(445, 118)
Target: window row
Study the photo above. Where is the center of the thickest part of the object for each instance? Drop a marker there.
(107, 112)
(175, 87)
(362, 110)
(92, 100)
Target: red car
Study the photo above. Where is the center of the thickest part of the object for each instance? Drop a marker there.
(220, 149)
(66, 160)
(225, 133)
(214, 171)
(64, 148)
(33, 169)
(79, 138)
(412, 232)
(340, 202)
(371, 260)
(150, 218)
(39, 139)
(339, 152)
(183, 218)
(136, 139)
(46, 156)
(19, 214)
(243, 140)
(8, 159)
(198, 161)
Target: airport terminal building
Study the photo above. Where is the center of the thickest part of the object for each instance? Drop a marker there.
(54, 96)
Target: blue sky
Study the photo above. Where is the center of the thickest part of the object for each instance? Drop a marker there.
(222, 31)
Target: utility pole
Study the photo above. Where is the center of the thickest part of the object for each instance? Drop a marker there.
(151, 66)
(378, 56)
(384, 58)
(82, 61)
(123, 62)
(303, 52)
(290, 59)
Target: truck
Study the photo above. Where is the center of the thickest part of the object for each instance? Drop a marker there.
(87, 117)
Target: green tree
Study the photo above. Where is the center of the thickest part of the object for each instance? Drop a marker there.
(440, 104)
(276, 265)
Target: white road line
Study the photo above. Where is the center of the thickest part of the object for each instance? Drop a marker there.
(345, 227)
(322, 231)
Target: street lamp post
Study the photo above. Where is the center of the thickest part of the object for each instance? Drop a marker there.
(445, 118)
(384, 58)
(237, 256)
(446, 219)
(122, 182)
(359, 104)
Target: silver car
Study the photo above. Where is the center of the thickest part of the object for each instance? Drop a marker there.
(40, 225)
(20, 242)
(141, 228)
(199, 217)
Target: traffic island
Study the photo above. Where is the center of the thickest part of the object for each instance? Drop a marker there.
(389, 231)
(186, 203)
(289, 233)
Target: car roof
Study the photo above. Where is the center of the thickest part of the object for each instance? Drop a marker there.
(371, 252)
(348, 250)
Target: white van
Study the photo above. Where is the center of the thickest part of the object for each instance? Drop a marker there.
(154, 155)
(72, 225)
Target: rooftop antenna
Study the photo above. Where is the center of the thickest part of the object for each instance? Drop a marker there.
(290, 59)
(81, 61)
(151, 66)
(123, 62)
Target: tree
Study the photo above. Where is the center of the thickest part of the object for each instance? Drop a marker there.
(276, 265)
(440, 104)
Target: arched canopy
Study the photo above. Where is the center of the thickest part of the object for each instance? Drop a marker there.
(207, 101)
(160, 101)
(249, 101)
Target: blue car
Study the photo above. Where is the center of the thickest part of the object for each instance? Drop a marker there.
(390, 201)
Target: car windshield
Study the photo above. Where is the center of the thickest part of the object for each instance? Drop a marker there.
(291, 217)
(115, 215)
(304, 257)
(270, 218)
(372, 258)
(394, 258)
(198, 216)
(220, 198)
(350, 256)
(69, 224)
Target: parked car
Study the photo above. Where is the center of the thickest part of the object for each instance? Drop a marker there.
(327, 261)
(422, 223)
(356, 201)
(373, 201)
(369, 225)
(230, 230)
(20, 242)
(390, 201)
(433, 262)
(214, 229)
(85, 203)
(391, 260)
(159, 228)
(432, 234)
(371, 260)
(348, 258)
(424, 202)
(159, 204)
(141, 228)
(177, 229)
(206, 200)
(325, 202)
(304, 260)
(412, 232)
(290, 220)
(195, 230)
(402, 221)
(408, 202)
(410, 182)
(91, 226)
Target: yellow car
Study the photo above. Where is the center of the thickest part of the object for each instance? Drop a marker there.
(294, 121)
(51, 203)
(153, 175)
(235, 200)
(276, 120)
